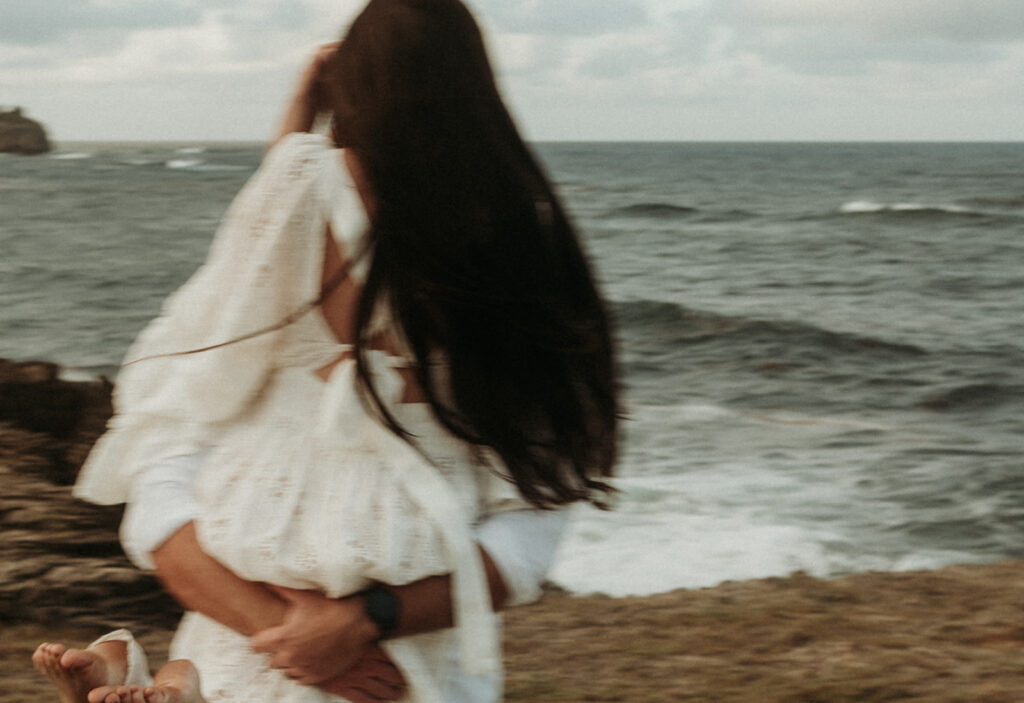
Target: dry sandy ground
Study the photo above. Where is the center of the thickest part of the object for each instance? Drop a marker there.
(951, 635)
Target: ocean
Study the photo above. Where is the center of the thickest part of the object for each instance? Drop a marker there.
(822, 345)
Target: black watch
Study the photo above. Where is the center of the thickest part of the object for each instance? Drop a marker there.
(383, 608)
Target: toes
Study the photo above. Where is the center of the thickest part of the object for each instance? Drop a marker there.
(55, 649)
(127, 694)
(76, 659)
(104, 694)
(46, 658)
(40, 656)
(155, 695)
(47, 650)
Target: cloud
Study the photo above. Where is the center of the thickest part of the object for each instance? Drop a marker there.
(35, 22)
(952, 20)
(619, 62)
(563, 17)
(133, 40)
(828, 38)
(571, 68)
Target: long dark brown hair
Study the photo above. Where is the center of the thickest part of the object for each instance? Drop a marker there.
(473, 253)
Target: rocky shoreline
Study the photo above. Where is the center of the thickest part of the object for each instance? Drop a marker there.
(955, 634)
(60, 560)
(20, 135)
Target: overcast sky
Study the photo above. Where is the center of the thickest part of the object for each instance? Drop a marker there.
(571, 69)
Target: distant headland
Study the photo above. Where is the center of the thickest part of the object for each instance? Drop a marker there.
(20, 135)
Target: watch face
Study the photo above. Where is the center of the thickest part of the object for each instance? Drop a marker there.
(382, 607)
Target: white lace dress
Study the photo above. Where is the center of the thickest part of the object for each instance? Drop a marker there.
(303, 487)
(330, 507)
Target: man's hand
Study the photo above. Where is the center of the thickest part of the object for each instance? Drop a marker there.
(374, 678)
(320, 639)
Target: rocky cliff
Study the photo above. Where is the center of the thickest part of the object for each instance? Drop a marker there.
(20, 135)
(60, 560)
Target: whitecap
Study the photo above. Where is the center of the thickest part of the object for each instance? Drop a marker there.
(73, 155)
(191, 150)
(920, 207)
(183, 163)
(643, 550)
(218, 167)
(856, 207)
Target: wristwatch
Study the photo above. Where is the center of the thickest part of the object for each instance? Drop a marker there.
(383, 608)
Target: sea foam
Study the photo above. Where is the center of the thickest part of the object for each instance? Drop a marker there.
(856, 207)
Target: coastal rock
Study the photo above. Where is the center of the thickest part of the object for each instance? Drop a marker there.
(20, 135)
(60, 559)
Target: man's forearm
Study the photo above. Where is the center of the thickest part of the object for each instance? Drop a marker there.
(426, 605)
(201, 583)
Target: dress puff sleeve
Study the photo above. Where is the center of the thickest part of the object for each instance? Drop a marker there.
(263, 265)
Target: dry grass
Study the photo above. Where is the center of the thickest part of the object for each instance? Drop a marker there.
(950, 635)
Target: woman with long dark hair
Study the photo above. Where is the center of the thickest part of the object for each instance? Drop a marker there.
(394, 350)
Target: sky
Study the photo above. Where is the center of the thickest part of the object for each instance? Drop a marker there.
(625, 70)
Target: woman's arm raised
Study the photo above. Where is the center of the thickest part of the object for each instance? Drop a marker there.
(309, 99)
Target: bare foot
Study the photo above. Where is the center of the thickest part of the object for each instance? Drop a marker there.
(166, 693)
(176, 682)
(117, 694)
(75, 672)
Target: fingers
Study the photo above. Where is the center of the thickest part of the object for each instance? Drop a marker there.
(378, 666)
(374, 678)
(299, 674)
(355, 695)
(324, 51)
(382, 671)
(269, 641)
(368, 692)
(303, 677)
(382, 690)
